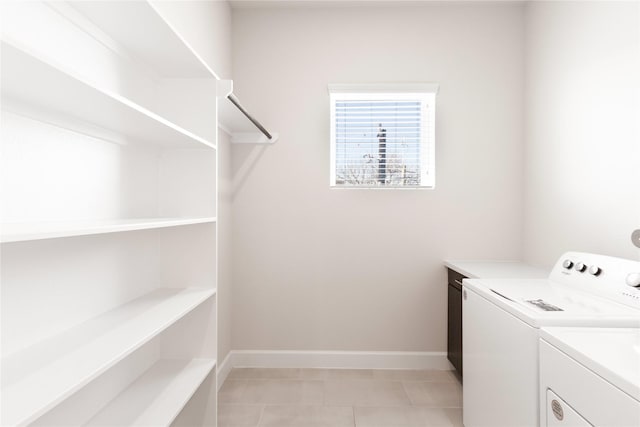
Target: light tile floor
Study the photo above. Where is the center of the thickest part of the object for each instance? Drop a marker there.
(253, 397)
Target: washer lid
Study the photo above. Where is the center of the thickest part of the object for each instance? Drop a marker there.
(546, 303)
(612, 353)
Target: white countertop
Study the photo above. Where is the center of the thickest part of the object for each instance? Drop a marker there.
(612, 353)
(496, 269)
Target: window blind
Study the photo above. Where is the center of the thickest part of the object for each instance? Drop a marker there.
(382, 139)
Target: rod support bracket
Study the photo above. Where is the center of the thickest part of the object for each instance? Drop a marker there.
(224, 88)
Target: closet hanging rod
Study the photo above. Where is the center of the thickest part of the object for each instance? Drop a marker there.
(257, 124)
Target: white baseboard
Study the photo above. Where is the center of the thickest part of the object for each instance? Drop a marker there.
(223, 369)
(332, 359)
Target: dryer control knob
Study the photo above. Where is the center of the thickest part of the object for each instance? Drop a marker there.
(595, 270)
(580, 267)
(567, 264)
(633, 280)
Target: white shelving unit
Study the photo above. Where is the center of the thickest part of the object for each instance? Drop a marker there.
(109, 251)
(20, 232)
(162, 392)
(71, 360)
(30, 83)
(147, 36)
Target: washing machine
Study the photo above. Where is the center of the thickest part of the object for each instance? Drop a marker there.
(501, 328)
(590, 377)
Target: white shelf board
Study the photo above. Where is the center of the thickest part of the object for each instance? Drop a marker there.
(157, 396)
(146, 35)
(33, 82)
(26, 231)
(40, 377)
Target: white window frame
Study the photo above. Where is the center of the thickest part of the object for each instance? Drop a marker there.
(426, 92)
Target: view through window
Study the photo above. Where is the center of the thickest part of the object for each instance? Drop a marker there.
(382, 140)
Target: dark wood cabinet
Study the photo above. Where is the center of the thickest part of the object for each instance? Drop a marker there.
(454, 319)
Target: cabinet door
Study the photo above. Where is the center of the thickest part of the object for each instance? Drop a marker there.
(454, 331)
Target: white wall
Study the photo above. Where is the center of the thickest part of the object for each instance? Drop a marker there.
(322, 269)
(582, 127)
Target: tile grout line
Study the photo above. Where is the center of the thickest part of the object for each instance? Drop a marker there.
(407, 394)
(261, 414)
(353, 411)
(324, 392)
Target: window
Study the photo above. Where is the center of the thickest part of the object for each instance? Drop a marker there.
(382, 136)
